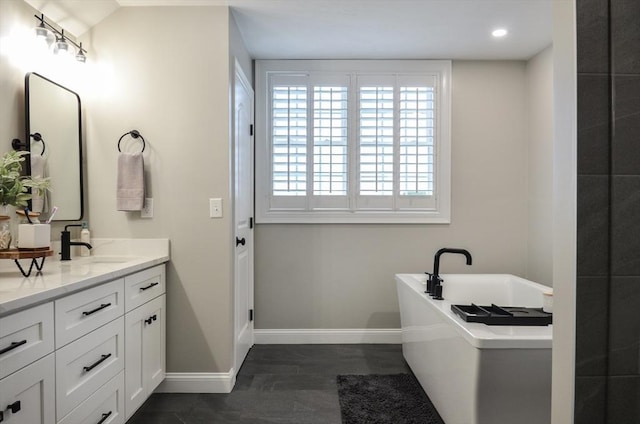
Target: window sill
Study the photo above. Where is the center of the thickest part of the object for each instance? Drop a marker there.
(361, 217)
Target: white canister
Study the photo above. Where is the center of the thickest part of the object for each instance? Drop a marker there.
(34, 236)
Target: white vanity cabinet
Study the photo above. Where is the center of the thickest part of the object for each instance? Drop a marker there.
(92, 356)
(145, 333)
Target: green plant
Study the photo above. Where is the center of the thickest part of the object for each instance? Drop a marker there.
(14, 187)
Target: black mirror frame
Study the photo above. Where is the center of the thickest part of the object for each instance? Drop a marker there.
(29, 135)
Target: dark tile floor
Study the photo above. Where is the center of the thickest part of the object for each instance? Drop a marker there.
(294, 384)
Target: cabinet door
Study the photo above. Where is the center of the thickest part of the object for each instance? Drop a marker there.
(28, 395)
(145, 330)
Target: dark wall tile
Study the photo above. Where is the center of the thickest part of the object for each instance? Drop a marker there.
(626, 134)
(594, 105)
(625, 226)
(625, 36)
(590, 402)
(593, 36)
(623, 399)
(592, 309)
(624, 326)
(593, 225)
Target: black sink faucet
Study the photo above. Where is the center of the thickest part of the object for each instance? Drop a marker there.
(66, 243)
(434, 288)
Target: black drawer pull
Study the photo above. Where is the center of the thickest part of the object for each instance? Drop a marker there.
(151, 319)
(12, 346)
(104, 417)
(98, 362)
(14, 407)
(149, 286)
(99, 308)
(241, 241)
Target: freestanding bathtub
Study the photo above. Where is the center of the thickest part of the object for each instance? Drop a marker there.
(472, 372)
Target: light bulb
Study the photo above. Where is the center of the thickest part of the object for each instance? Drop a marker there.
(500, 32)
(80, 57)
(44, 34)
(62, 47)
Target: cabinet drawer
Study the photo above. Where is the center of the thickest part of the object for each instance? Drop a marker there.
(87, 363)
(143, 286)
(27, 396)
(82, 312)
(105, 406)
(25, 337)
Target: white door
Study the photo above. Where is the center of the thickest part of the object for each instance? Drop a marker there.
(243, 218)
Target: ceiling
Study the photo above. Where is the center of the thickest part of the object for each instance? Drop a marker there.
(356, 29)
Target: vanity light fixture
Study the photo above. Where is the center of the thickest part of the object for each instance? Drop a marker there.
(62, 44)
(80, 57)
(43, 33)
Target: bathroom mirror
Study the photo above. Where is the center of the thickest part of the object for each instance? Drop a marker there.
(54, 138)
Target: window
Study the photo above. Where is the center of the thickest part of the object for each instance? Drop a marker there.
(353, 141)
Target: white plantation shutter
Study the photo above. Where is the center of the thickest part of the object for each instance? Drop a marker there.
(289, 140)
(330, 158)
(417, 126)
(352, 141)
(330, 141)
(375, 140)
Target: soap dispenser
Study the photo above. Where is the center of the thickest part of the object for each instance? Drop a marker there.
(85, 237)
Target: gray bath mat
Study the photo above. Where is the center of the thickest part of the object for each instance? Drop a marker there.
(384, 399)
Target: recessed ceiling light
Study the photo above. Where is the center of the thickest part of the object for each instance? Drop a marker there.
(501, 32)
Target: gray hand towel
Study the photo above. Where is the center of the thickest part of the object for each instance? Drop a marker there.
(130, 195)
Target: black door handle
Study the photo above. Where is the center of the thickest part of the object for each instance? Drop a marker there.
(241, 241)
(98, 362)
(12, 346)
(104, 417)
(14, 407)
(99, 308)
(149, 286)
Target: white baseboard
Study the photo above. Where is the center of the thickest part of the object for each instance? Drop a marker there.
(197, 382)
(329, 336)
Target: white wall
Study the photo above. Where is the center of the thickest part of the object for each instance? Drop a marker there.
(564, 211)
(540, 166)
(172, 84)
(238, 50)
(341, 276)
(14, 14)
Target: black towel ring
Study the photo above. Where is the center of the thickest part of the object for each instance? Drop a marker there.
(19, 145)
(38, 137)
(134, 134)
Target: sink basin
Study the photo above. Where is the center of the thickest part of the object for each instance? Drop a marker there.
(94, 260)
(111, 259)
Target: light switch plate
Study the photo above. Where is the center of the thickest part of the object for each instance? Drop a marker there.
(147, 209)
(215, 208)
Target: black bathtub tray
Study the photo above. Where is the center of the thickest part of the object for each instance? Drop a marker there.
(502, 315)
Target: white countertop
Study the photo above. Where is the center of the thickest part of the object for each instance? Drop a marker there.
(110, 259)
